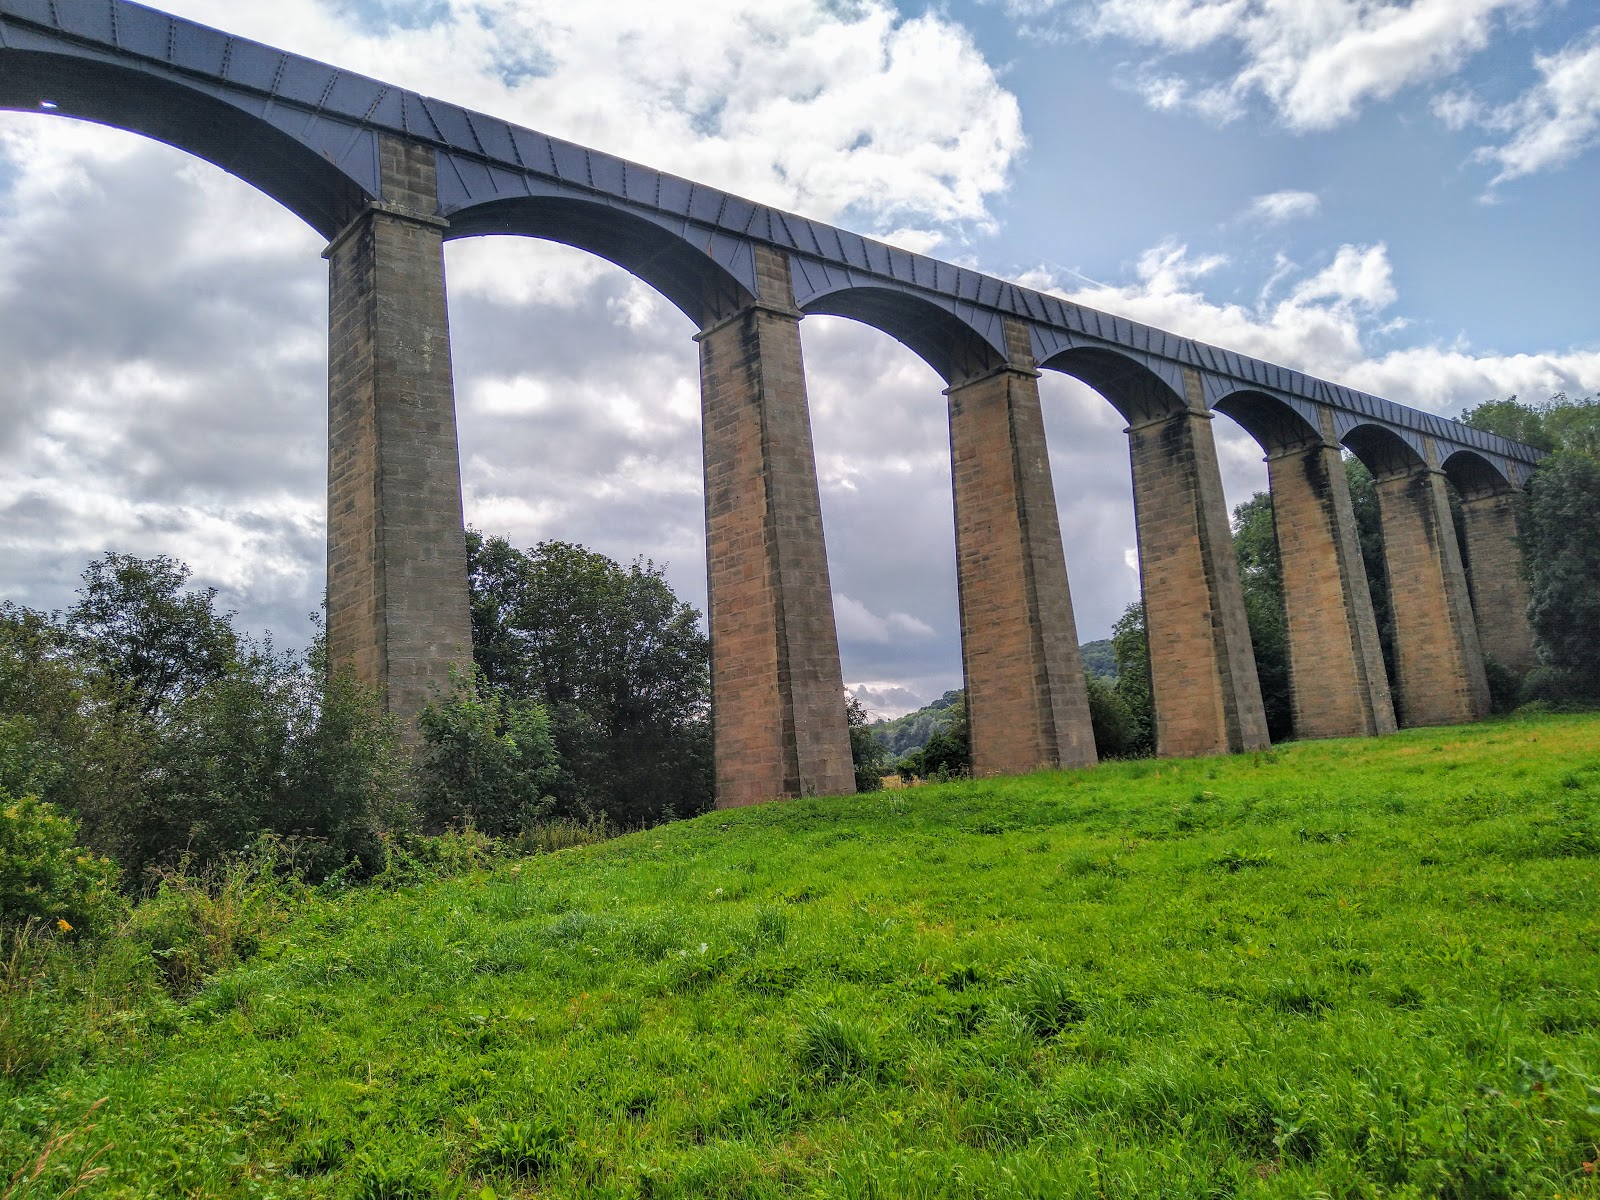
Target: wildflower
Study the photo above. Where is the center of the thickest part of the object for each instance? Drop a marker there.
(61, 924)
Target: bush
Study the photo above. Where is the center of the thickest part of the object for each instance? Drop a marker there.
(1116, 733)
(198, 925)
(46, 876)
(488, 761)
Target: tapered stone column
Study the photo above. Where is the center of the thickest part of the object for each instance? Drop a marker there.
(1438, 660)
(397, 572)
(1202, 666)
(1494, 574)
(1027, 706)
(777, 695)
(1338, 686)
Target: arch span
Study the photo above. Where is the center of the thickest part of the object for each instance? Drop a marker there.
(1382, 451)
(1132, 388)
(941, 339)
(193, 120)
(698, 285)
(1275, 425)
(1474, 476)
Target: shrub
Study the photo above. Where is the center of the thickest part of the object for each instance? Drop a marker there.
(488, 761)
(46, 876)
(199, 925)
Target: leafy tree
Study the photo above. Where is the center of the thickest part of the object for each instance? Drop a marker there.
(46, 876)
(1130, 645)
(488, 761)
(165, 751)
(870, 756)
(618, 662)
(1116, 734)
(147, 634)
(1255, 544)
(1561, 550)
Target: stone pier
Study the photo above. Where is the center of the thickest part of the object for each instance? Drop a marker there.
(1027, 705)
(777, 694)
(1338, 685)
(1494, 574)
(397, 573)
(1438, 660)
(1202, 667)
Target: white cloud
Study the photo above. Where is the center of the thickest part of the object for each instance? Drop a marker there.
(1275, 208)
(1548, 125)
(1329, 324)
(1316, 62)
(857, 622)
(820, 107)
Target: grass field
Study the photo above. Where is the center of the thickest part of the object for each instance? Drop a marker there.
(1366, 968)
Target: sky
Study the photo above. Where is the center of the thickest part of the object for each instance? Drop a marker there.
(1397, 196)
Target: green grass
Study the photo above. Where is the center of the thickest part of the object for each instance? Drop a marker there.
(1348, 969)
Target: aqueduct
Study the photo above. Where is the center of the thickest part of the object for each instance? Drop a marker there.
(388, 175)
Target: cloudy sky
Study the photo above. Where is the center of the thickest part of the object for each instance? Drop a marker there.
(1397, 195)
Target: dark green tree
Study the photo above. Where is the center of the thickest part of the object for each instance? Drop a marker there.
(148, 633)
(1131, 646)
(143, 715)
(869, 755)
(1369, 533)
(1116, 735)
(617, 661)
(1255, 544)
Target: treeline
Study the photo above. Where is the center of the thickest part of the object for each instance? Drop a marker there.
(144, 729)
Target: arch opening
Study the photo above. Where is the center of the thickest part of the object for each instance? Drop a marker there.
(694, 282)
(1474, 477)
(1382, 451)
(1130, 387)
(1276, 426)
(193, 121)
(941, 339)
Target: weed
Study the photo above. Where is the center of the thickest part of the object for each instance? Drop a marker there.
(834, 1048)
(1047, 999)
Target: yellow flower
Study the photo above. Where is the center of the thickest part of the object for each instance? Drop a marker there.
(61, 924)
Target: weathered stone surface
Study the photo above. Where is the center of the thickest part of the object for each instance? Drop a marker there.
(777, 694)
(1494, 575)
(1202, 667)
(1337, 680)
(397, 575)
(1026, 701)
(1439, 662)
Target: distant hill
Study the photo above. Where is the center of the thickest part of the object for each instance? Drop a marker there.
(911, 732)
(1098, 658)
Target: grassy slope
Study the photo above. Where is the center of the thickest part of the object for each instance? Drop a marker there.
(1352, 967)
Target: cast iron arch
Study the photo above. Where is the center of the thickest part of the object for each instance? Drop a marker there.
(953, 348)
(685, 275)
(1474, 476)
(1275, 425)
(1129, 386)
(189, 119)
(1382, 451)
